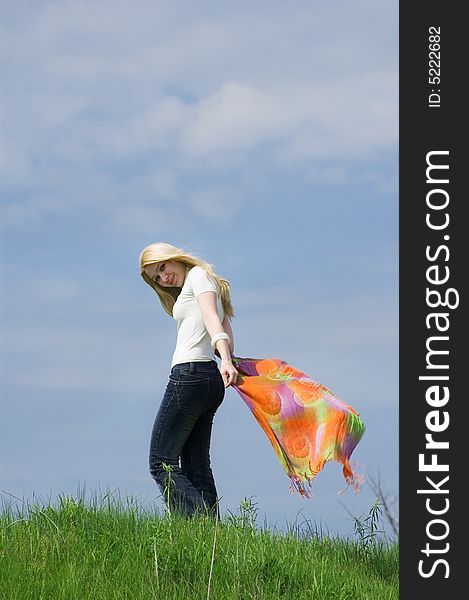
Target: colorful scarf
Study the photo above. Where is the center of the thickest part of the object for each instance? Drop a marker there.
(305, 422)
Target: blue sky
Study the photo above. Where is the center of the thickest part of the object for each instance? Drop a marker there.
(259, 135)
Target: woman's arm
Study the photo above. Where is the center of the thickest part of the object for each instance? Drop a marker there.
(227, 327)
(208, 305)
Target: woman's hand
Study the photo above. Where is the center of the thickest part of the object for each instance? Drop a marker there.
(228, 372)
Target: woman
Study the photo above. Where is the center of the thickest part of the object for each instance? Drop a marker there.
(199, 301)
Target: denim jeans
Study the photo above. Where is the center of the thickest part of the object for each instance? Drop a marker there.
(180, 441)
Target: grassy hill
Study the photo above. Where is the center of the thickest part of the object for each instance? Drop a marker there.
(108, 550)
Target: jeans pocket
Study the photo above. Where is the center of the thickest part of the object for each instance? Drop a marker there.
(188, 379)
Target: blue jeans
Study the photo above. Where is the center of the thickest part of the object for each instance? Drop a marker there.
(180, 441)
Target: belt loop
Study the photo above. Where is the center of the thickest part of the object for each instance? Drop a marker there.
(192, 367)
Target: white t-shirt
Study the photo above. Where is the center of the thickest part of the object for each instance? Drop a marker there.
(193, 339)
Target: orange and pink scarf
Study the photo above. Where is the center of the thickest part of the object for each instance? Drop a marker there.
(305, 422)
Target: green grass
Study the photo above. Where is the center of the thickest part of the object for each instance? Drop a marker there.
(114, 550)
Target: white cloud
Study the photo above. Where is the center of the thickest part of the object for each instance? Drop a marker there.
(321, 121)
(109, 84)
(237, 116)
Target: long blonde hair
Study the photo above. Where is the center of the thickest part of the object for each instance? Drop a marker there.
(159, 252)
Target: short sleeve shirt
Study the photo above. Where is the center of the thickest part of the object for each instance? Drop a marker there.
(193, 339)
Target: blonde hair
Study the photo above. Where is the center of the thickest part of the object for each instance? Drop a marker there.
(159, 252)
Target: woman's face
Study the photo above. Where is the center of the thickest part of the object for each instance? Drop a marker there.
(169, 273)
